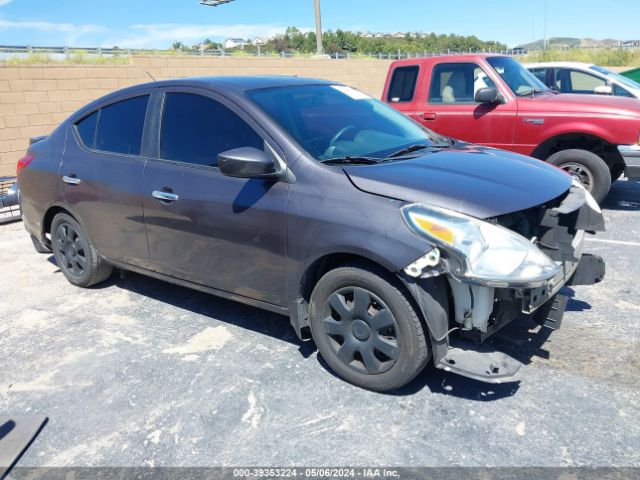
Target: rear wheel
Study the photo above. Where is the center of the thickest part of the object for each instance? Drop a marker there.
(74, 253)
(586, 167)
(366, 329)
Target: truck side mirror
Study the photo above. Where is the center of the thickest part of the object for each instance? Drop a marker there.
(487, 95)
(603, 90)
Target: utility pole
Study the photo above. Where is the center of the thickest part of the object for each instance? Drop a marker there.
(319, 46)
(545, 24)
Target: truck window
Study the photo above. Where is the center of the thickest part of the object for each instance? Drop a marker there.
(403, 84)
(453, 83)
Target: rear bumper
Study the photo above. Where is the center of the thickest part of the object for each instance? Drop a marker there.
(631, 156)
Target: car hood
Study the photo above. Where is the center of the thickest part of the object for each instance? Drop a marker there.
(478, 181)
(576, 103)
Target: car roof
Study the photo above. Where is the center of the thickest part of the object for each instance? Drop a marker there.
(446, 58)
(581, 65)
(237, 83)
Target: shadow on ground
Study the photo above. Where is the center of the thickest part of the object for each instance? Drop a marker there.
(624, 195)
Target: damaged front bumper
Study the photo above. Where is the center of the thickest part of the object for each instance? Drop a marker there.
(479, 311)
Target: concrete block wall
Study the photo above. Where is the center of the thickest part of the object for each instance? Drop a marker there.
(35, 99)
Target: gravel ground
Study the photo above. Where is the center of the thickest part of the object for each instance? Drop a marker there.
(139, 372)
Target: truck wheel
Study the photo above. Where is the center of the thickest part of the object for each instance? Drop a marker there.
(587, 167)
(366, 329)
(75, 255)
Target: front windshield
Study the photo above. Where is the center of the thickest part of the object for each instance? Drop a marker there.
(520, 80)
(334, 121)
(620, 78)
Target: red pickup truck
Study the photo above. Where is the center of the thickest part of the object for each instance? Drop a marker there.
(493, 100)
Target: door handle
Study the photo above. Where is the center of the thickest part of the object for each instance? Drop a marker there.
(71, 180)
(165, 197)
(428, 116)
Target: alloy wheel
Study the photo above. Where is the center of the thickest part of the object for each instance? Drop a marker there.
(580, 173)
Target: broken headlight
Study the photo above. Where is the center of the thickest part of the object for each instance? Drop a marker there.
(480, 251)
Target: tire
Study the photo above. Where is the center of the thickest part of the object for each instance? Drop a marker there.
(75, 254)
(39, 246)
(587, 167)
(366, 329)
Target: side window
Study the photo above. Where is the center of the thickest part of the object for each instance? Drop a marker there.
(195, 129)
(618, 91)
(403, 84)
(457, 83)
(585, 83)
(87, 129)
(120, 126)
(541, 74)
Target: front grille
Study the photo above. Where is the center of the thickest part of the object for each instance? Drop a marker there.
(8, 211)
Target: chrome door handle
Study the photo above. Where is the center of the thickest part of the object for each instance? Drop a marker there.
(164, 196)
(71, 180)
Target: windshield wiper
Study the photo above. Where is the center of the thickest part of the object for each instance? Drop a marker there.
(533, 91)
(350, 161)
(409, 149)
(416, 147)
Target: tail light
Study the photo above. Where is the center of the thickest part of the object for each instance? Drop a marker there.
(23, 162)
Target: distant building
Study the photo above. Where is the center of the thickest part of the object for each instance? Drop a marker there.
(367, 35)
(235, 43)
(398, 35)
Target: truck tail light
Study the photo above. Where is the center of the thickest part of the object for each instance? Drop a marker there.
(24, 162)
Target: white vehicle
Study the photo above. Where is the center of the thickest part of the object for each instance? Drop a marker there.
(584, 78)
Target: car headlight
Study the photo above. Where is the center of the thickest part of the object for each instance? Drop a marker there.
(481, 251)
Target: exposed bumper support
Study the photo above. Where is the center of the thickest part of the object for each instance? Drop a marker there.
(631, 156)
(480, 363)
(591, 270)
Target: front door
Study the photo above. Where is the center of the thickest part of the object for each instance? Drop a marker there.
(102, 170)
(452, 111)
(222, 232)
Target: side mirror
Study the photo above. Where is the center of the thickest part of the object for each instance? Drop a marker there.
(603, 90)
(246, 162)
(487, 95)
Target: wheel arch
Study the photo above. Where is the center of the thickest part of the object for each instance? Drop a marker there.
(582, 141)
(421, 294)
(48, 217)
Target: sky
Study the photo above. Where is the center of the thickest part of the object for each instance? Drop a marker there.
(159, 23)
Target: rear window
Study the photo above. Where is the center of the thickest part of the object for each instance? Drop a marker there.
(403, 84)
(116, 128)
(87, 129)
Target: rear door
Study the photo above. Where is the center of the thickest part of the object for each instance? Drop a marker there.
(222, 232)
(102, 170)
(452, 111)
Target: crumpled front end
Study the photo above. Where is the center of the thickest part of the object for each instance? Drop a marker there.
(479, 309)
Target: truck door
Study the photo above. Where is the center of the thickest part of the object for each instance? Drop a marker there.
(452, 111)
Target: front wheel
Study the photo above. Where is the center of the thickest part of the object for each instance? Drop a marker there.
(75, 254)
(366, 329)
(586, 167)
